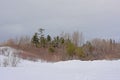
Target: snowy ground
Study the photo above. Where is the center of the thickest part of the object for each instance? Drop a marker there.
(66, 70)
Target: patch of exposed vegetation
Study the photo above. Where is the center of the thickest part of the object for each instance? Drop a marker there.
(66, 46)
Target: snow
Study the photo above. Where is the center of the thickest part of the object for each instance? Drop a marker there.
(9, 56)
(68, 70)
(64, 70)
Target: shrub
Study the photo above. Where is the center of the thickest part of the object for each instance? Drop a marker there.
(10, 60)
(10, 57)
(70, 49)
(51, 49)
(79, 52)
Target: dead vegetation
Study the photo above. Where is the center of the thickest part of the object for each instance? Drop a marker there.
(65, 47)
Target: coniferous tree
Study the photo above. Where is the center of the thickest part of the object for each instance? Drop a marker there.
(35, 39)
(41, 37)
(48, 38)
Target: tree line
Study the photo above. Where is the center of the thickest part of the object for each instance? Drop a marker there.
(74, 46)
(66, 46)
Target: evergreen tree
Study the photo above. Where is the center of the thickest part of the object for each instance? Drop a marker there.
(43, 41)
(35, 39)
(41, 37)
(56, 41)
(48, 38)
(62, 40)
(41, 30)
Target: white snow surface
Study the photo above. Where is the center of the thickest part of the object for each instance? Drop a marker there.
(64, 70)
(68, 70)
(9, 56)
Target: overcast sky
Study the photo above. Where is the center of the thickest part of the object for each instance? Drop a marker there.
(95, 18)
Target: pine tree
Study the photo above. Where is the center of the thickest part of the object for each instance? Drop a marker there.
(35, 39)
(48, 38)
(42, 39)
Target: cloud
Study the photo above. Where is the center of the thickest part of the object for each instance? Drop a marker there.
(92, 17)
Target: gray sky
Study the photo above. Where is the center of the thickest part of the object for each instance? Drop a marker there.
(95, 18)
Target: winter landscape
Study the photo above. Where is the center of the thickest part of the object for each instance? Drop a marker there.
(59, 40)
(63, 70)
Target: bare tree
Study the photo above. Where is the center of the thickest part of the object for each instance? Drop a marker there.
(77, 38)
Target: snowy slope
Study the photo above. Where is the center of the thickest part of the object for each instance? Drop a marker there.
(64, 70)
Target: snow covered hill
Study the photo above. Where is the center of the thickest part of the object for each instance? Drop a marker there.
(64, 70)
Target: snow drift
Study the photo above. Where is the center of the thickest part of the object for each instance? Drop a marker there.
(9, 56)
